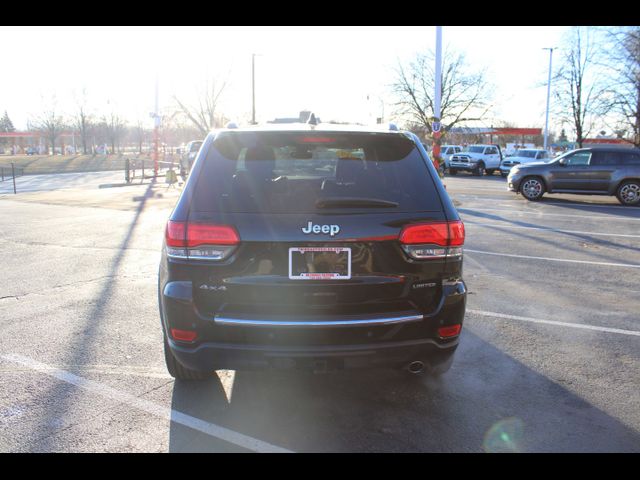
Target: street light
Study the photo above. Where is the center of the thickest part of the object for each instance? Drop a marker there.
(546, 122)
(253, 87)
(381, 105)
(436, 125)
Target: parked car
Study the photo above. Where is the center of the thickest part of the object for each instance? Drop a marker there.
(477, 159)
(586, 171)
(188, 156)
(447, 151)
(523, 156)
(314, 248)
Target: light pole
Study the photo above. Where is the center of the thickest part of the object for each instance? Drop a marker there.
(436, 125)
(546, 122)
(381, 106)
(156, 132)
(156, 128)
(253, 87)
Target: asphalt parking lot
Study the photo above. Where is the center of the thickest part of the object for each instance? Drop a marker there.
(549, 359)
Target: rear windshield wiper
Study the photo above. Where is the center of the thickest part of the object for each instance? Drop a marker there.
(354, 202)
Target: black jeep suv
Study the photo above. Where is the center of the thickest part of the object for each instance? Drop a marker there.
(320, 248)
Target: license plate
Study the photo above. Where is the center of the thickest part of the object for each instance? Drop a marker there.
(319, 263)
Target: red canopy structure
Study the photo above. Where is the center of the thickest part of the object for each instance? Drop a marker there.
(515, 131)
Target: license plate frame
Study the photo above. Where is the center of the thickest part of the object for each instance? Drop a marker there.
(320, 275)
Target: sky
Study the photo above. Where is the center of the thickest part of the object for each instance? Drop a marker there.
(330, 70)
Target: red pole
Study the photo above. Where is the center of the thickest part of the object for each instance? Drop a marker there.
(436, 149)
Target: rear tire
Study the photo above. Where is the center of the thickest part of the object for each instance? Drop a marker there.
(532, 188)
(453, 171)
(177, 370)
(504, 175)
(628, 193)
(490, 171)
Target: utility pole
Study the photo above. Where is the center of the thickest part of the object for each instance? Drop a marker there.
(381, 106)
(546, 122)
(156, 133)
(436, 125)
(253, 89)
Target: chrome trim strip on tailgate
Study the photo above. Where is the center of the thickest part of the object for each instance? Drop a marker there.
(221, 320)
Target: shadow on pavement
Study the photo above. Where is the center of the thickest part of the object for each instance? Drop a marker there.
(81, 349)
(595, 239)
(488, 401)
(584, 205)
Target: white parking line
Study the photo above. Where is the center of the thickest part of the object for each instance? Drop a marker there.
(586, 205)
(607, 264)
(165, 413)
(543, 203)
(529, 212)
(549, 229)
(554, 322)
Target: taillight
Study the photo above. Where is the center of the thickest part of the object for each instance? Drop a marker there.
(200, 241)
(449, 331)
(433, 240)
(183, 335)
(206, 234)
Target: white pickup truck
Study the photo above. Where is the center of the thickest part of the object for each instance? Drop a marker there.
(477, 159)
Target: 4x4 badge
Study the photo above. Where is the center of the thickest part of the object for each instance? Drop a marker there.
(330, 229)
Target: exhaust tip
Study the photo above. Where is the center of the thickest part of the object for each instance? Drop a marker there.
(415, 367)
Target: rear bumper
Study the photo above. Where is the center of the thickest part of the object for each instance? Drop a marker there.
(404, 338)
(218, 356)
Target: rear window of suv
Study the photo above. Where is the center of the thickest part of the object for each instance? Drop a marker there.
(309, 172)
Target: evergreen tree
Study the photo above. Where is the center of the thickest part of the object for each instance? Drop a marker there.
(6, 125)
(563, 136)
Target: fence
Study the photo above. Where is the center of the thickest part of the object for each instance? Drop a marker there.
(143, 168)
(7, 173)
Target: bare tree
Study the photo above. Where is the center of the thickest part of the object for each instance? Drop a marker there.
(50, 122)
(82, 120)
(465, 92)
(580, 92)
(203, 114)
(624, 60)
(114, 126)
(140, 134)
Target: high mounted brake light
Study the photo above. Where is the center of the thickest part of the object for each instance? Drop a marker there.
(433, 240)
(200, 241)
(316, 140)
